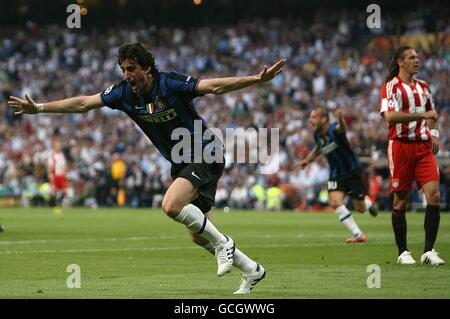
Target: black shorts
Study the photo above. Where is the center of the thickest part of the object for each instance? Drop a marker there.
(351, 184)
(204, 177)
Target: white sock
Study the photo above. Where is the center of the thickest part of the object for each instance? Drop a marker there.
(240, 260)
(196, 221)
(368, 202)
(345, 216)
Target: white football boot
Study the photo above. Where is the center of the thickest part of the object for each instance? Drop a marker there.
(224, 255)
(406, 259)
(431, 257)
(250, 280)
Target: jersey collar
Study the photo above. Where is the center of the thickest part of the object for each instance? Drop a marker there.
(153, 90)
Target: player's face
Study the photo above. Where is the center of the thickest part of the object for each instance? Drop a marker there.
(139, 79)
(314, 120)
(410, 62)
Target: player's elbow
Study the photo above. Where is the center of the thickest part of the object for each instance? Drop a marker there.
(218, 90)
(209, 87)
(80, 105)
(82, 108)
(87, 103)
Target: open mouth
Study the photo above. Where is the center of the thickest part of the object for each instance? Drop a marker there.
(132, 83)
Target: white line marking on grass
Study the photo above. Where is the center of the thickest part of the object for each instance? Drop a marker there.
(95, 250)
(143, 238)
(82, 240)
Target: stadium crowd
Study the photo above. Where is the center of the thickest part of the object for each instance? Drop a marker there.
(110, 163)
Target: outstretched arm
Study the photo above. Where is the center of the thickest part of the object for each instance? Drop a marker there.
(341, 126)
(224, 85)
(309, 159)
(77, 104)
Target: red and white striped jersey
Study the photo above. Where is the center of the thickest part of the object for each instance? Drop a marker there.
(400, 96)
(56, 164)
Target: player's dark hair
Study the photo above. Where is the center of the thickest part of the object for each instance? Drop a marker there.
(394, 68)
(139, 53)
(323, 112)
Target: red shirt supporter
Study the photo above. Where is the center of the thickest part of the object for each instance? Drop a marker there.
(56, 164)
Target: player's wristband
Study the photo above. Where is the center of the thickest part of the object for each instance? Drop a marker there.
(40, 107)
(434, 133)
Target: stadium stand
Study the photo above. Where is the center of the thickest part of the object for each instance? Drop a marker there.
(334, 62)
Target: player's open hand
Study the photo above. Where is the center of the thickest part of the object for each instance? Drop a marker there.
(268, 73)
(20, 106)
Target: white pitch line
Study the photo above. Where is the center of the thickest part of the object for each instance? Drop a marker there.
(143, 238)
(94, 250)
(82, 240)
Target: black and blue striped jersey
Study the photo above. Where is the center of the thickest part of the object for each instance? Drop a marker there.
(336, 148)
(167, 107)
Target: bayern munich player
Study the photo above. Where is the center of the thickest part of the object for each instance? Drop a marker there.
(407, 104)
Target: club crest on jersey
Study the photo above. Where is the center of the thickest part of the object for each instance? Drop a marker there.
(160, 104)
(395, 183)
(150, 108)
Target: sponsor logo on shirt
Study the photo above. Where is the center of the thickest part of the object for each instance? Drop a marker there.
(417, 110)
(160, 117)
(329, 148)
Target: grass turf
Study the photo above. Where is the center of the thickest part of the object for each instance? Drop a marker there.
(137, 253)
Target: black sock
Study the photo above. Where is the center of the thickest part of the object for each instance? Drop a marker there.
(399, 226)
(431, 225)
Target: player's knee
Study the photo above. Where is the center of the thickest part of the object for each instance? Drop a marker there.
(171, 208)
(335, 204)
(433, 197)
(401, 204)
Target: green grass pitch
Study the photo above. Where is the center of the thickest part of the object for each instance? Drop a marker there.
(140, 253)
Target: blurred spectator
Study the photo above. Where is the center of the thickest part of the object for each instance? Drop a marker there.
(118, 172)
